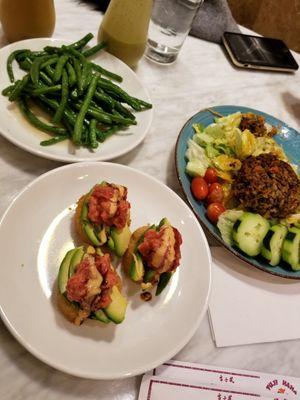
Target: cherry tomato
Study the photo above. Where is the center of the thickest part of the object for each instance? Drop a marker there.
(211, 175)
(215, 194)
(199, 188)
(214, 210)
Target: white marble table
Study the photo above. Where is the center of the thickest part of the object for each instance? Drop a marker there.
(201, 77)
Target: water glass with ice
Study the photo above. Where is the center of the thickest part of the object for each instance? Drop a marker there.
(170, 24)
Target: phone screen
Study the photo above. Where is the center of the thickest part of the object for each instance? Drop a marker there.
(260, 51)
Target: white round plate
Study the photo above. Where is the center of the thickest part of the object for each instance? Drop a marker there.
(17, 130)
(35, 233)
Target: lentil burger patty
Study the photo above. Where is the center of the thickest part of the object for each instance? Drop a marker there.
(268, 186)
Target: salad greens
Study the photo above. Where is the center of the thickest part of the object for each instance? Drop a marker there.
(223, 146)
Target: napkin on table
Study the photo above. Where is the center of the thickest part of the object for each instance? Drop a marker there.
(251, 306)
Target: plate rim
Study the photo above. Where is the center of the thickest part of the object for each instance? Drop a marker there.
(69, 158)
(200, 219)
(138, 371)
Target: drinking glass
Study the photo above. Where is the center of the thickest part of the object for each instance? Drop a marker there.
(170, 23)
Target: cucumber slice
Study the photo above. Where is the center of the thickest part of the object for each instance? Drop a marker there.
(63, 274)
(272, 244)
(100, 316)
(117, 308)
(76, 259)
(291, 248)
(248, 233)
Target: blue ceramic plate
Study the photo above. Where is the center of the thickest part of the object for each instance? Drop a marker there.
(289, 139)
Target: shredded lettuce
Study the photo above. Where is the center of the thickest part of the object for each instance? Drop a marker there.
(226, 222)
(197, 159)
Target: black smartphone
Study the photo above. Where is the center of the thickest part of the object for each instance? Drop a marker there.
(247, 51)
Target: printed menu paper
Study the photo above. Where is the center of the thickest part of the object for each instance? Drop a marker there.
(251, 306)
(178, 380)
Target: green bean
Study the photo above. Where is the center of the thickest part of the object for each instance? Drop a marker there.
(96, 114)
(123, 110)
(113, 90)
(142, 103)
(26, 64)
(84, 77)
(76, 45)
(52, 50)
(6, 91)
(54, 140)
(35, 68)
(105, 72)
(104, 98)
(81, 115)
(114, 117)
(46, 78)
(87, 75)
(22, 55)
(46, 89)
(59, 67)
(72, 74)
(64, 98)
(93, 134)
(103, 135)
(49, 71)
(82, 42)
(93, 50)
(36, 122)
(78, 71)
(17, 90)
(10, 61)
(51, 61)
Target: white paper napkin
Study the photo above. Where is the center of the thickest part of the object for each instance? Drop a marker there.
(178, 380)
(251, 306)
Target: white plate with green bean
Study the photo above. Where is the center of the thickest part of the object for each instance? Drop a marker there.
(69, 102)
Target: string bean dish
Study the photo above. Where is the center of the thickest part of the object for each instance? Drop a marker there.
(83, 100)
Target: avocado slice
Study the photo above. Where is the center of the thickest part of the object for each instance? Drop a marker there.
(89, 230)
(76, 259)
(149, 275)
(84, 210)
(163, 222)
(163, 281)
(100, 316)
(121, 238)
(111, 244)
(117, 308)
(63, 274)
(102, 235)
(137, 270)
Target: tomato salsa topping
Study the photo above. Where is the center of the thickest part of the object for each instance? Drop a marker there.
(108, 205)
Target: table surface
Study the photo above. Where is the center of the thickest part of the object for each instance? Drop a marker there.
(201, 77)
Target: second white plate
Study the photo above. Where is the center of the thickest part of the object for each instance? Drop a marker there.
(35, 233)
(17, 130)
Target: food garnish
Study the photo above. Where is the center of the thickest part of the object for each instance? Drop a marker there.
(79, 96)
(103, 217)
(89, 287)
(153, 255)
